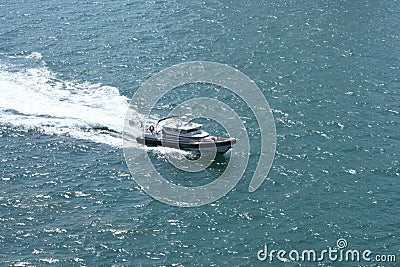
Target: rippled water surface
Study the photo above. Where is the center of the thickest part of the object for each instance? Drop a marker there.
(330, 72)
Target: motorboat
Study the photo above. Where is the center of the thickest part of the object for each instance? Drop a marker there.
(175, 133)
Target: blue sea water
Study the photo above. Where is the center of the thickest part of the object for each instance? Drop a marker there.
(329, 70)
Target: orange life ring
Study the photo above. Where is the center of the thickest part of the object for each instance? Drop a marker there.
(151, 128)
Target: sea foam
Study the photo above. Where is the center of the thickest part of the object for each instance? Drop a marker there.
(35, 98)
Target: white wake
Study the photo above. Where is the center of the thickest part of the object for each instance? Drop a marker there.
(35, 99)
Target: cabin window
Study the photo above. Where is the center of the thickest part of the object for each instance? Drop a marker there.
(189, 130)
(182, 131)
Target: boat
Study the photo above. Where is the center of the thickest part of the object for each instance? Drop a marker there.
(175, 133)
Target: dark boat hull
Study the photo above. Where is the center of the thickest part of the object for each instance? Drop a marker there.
(222, 145)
